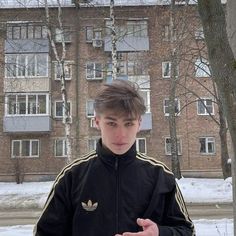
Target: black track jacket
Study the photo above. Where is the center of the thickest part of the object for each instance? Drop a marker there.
(102, 194)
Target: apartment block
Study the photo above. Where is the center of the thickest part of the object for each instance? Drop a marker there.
(32, 135)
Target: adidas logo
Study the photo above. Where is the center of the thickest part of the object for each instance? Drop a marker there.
(89, 206)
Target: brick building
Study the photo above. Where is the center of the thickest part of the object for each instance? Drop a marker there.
(32, 133)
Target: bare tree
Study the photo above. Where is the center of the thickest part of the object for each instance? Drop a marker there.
(60, 59)
(223, 68)
(172, 97)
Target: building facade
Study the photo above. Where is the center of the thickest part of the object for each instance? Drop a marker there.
(32, 143)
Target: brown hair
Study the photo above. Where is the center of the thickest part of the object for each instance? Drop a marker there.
(121, 97)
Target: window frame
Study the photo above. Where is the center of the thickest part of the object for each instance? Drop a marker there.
(138, 145)
(179, 146)
(202, 68)
(55, 109)
(94, 140)
(94, 70)
(204, 100)
(20, 141)
(206, 143)
(166, 107)
(64, 149)
(16, 104)
(67, 34)
(26, 68)
(87, 107)
(66, 64)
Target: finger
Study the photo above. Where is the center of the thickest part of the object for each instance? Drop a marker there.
(145, 222)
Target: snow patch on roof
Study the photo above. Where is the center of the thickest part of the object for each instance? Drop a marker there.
(33, 3)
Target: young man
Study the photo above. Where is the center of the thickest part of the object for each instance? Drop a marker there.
(114, 190)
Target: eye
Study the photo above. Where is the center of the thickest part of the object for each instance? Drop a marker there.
(129, 124)
(113, 124)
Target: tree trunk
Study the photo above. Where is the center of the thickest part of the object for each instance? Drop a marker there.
(223, 69)
(226, 167)
(113, 41)
(172, 113)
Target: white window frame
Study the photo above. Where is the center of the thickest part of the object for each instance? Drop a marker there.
(93, 144)
(87, 108)
(89, 34)
(166, 64)
(64, 150)
(202, 68)
(63, 109)
(94, 70)
(208, 140)
(204, 101)
(17, 104)
(59, 34)
(25, 27)
(138, 145)
(164, 68)
(26, 68)
(168, 149)
(165, 107)
(199, 34)
(20, 141)
(67, 67)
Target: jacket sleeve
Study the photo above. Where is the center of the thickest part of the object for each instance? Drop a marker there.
(167, 207)
(176, 221)
(56, 216)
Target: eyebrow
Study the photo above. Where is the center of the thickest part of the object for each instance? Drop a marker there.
(115, 119)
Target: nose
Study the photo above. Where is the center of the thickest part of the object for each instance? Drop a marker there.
(120, 132)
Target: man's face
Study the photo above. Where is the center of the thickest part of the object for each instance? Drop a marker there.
(118, 132)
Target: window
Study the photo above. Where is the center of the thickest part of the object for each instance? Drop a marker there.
(166, 70)
(141, 145)
(145, 93)
(60, 109)
(168, 146)
(89, 34)
(90, 108)
(63, 35)
(60, 148)
(205, 106)
(27, 104)
(93, 34)
(166, 107)
(137, 28)
(94, 71)
(67, 71)
(25, 148)
(131, 64)
(131, 28)
(166, 33)
(202, 68)
(26, 65)
(199, 35)
(207, 145)
(26, 31)
(92, 144)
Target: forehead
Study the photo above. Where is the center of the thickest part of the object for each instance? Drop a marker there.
(117, 117)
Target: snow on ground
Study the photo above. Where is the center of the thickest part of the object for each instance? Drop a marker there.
(33, 195)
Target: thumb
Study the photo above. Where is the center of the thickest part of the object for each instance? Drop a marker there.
(144, 222)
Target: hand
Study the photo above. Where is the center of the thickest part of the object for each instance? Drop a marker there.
(149, 229)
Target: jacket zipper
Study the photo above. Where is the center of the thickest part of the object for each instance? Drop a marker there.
(117, 194)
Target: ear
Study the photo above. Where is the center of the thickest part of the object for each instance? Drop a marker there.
(139, 123)
(97, 122)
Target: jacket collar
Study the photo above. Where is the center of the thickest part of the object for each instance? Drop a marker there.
(111, 158)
